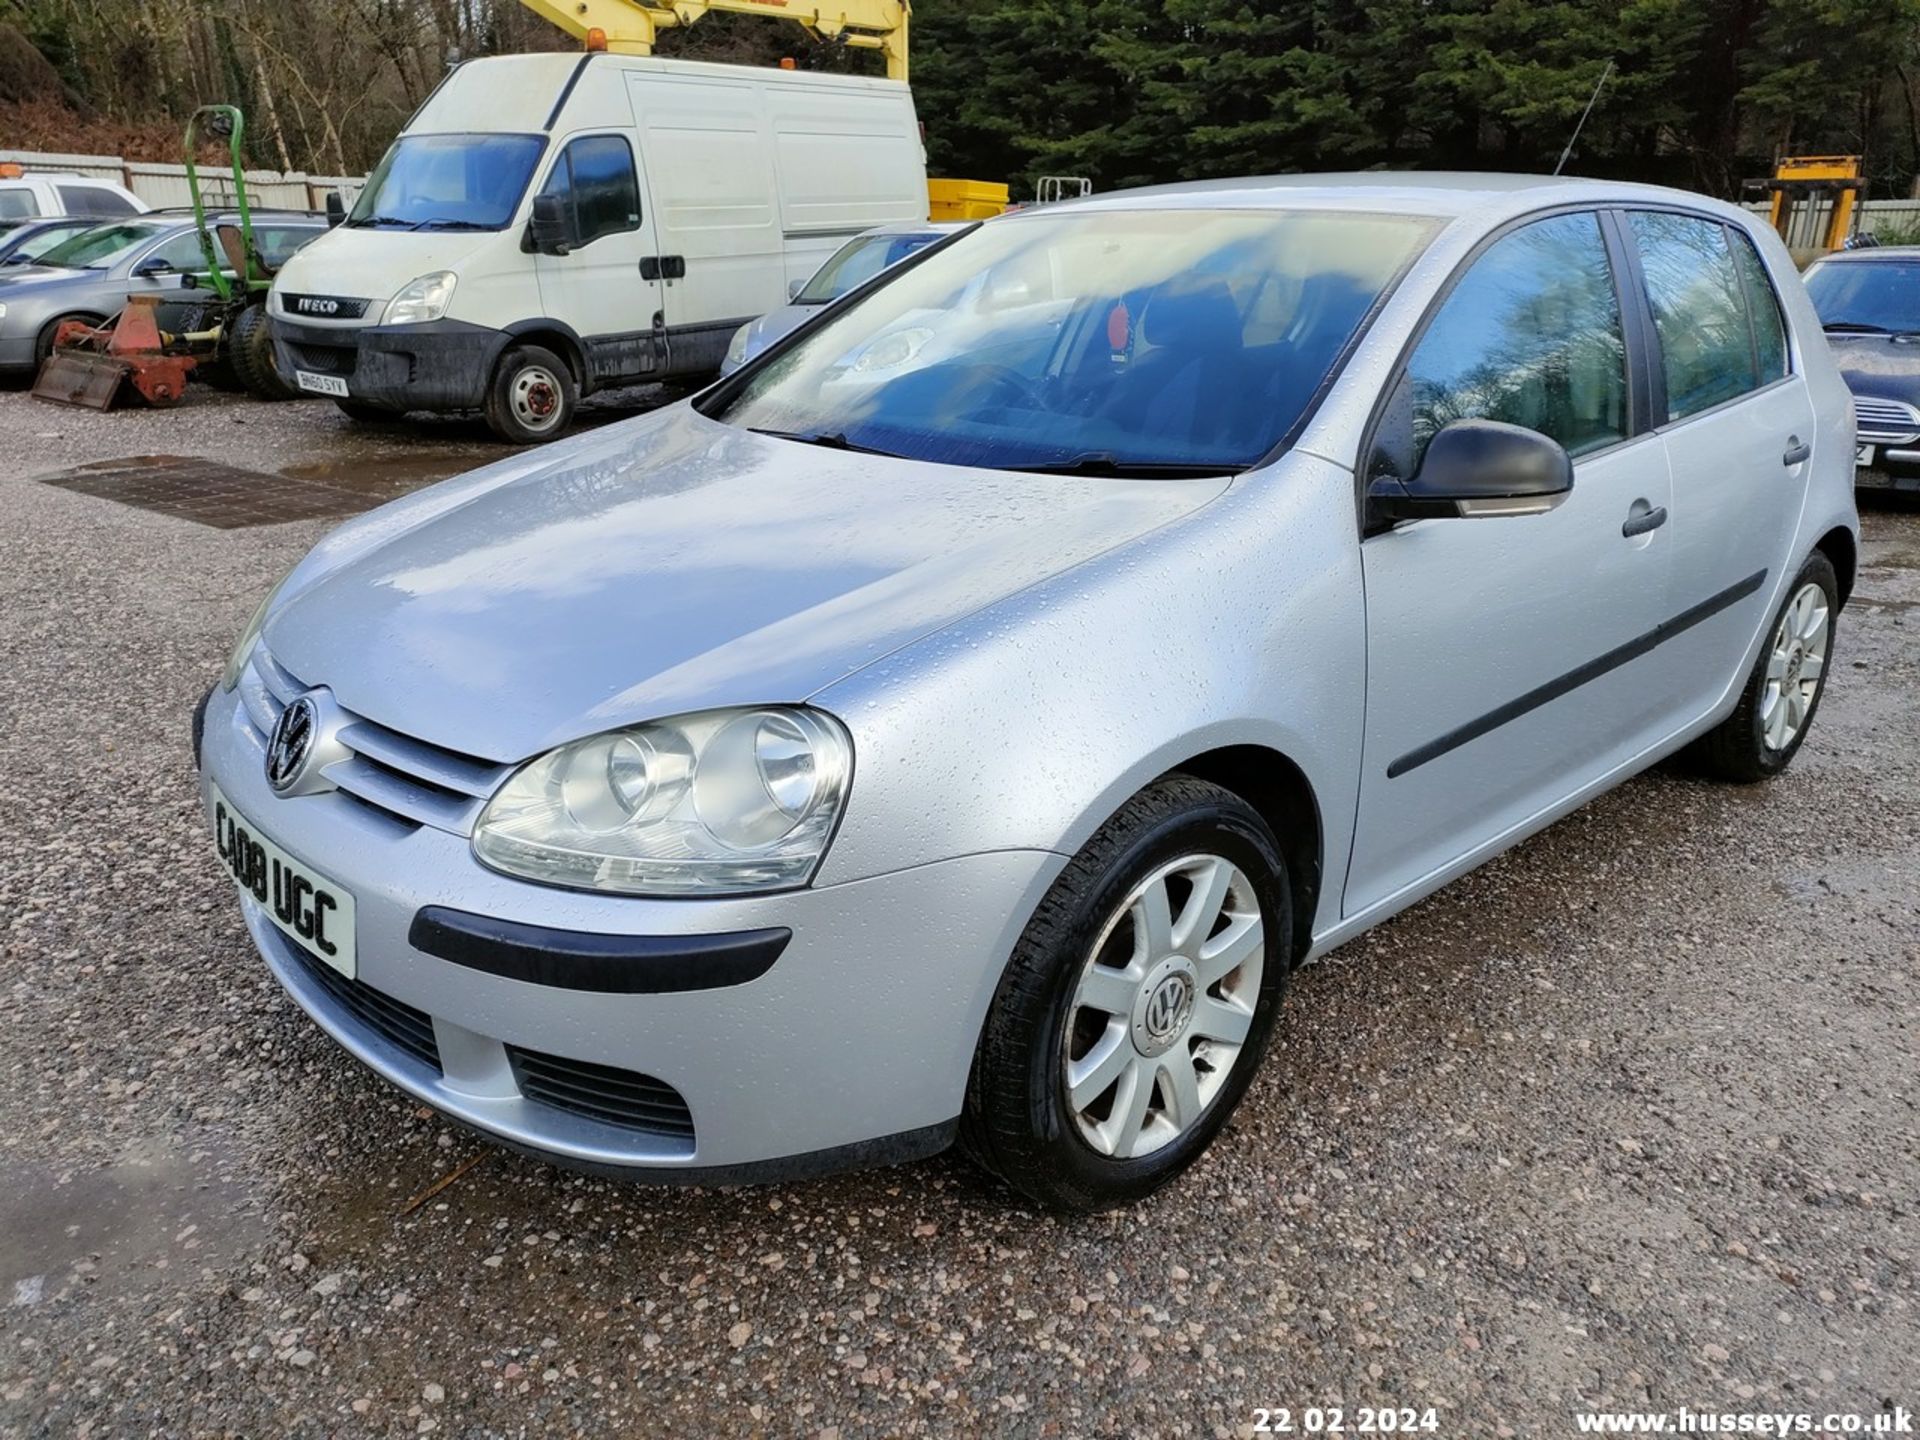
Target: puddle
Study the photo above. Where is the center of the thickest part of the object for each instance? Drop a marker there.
(382, 477)
(158, 1209)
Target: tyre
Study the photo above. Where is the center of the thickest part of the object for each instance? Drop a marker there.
(249, 350)
(365, 414)
(1134, 1011)
(532, 396)
(43, 345)
(1759, 739)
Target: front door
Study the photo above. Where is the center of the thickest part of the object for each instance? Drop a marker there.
(1502, 650)
(1739, 431)
(601, 286)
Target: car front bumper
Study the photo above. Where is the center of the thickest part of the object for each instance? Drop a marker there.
(440, 365)
(16, 352)
(851, 1047)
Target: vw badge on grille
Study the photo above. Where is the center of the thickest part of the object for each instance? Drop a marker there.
(291, 743)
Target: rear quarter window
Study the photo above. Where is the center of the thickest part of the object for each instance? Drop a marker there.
(92, 200)
(1763, 310)
(16, 201)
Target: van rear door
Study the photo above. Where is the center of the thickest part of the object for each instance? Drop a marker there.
(601, 287)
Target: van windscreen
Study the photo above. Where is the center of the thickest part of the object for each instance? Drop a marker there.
(449, 182)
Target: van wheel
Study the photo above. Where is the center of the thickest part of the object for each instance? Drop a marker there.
(1776, 710)
(249, 350)
(532, 396)
(1137, 1004)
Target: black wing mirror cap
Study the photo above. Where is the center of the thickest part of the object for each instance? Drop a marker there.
(1478, 468)
(548, 230)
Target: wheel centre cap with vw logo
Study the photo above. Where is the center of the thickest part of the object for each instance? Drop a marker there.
(1163, 1005)
(303, 742)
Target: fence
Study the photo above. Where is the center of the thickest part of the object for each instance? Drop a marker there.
(165, 186)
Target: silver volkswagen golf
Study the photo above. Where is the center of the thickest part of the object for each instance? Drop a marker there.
(960, 722)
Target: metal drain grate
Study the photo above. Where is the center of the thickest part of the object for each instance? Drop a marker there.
(223, 496)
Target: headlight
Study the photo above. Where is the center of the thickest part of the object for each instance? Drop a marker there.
(722, 802)
(891, 350)
(421, 300)
(243, 647)
(736, 347)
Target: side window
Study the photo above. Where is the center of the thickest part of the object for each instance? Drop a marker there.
(276, 244)
(1530, 335)
(17, 201)
(1698, 311)
(1763, 307)
(595, 176)
(92, 200)
(182, 252)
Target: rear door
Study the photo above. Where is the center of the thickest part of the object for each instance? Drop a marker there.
(1739, 431)
(601, 287)
(1502, 668)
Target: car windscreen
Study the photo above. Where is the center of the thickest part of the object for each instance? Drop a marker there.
(100, 247)
(449, 182)
(1867, 295)
(857, 262)
(1153, 340)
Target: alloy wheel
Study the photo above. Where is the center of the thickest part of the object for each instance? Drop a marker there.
(1163, 1006)
(1794, 667)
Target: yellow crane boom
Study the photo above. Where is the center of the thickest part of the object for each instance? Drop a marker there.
(630, 27)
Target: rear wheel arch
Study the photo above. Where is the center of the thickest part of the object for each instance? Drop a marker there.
(1843, 552)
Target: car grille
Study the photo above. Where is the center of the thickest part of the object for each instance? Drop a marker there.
(600, 1092)
(398, 1024)
(408, 780)
(1885, 422)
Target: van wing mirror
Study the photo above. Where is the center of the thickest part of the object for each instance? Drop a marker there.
(1476, 468)
(549, 230)
(336, 209)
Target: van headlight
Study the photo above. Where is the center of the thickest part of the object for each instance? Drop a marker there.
(724, 802)
(422, 300)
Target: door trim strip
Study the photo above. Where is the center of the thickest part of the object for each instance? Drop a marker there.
(1580, 675)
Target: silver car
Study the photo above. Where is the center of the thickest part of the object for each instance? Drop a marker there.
(848, 268)
(89, 275)
(845, 762)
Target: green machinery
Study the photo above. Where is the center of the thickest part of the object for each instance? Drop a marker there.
(216, 323)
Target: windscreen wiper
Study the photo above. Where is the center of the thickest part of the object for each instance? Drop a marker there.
(826, 440)
(451, 225)
(1856, 327)
(1104, 464)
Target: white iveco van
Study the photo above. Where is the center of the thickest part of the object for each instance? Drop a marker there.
(551, 224)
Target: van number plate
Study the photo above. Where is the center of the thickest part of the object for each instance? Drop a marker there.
(321, 384)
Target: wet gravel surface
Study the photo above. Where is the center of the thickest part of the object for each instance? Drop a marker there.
(1627, 1119)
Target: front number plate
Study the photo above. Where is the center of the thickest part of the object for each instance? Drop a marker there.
(321, 384)
(308, 908)
(1862, 456)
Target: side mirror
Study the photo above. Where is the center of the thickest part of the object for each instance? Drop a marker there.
(794, 287)
(548, 229)
(336, 209)
(152, 267)
(1474, 468)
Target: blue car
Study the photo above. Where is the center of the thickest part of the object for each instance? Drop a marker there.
(1869, 305)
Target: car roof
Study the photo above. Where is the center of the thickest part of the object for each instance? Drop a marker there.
(1440, 193)
(1873, 252)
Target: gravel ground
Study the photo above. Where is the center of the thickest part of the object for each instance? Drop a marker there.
(1625, 1119)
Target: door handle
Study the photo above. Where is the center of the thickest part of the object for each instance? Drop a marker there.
(1797, 451)
(1639, 522)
